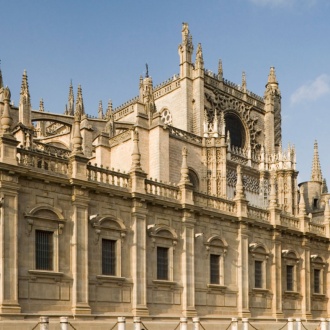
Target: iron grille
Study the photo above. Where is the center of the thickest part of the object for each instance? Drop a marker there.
(44, 250)
(108, 257)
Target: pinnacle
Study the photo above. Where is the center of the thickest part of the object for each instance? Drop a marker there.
(316, 167)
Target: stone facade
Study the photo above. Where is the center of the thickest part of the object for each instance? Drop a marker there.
(181, 202)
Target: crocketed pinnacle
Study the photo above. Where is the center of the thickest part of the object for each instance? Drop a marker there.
(70, 110)
(272, 76)
(79, 111)
(220, 70)
(41, 105)
(25, 94)
(243, 81)
(199, 63)
(316, 167)
(100, 110)
(108, 114)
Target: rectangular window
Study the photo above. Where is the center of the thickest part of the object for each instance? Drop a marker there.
(258, 274)
(317, 281)
(162, 263)
(44, 249)
(214, 269)
(289, 277)
(108, 257)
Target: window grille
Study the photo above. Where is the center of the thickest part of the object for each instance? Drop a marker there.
(162, 263)
(108, 257)
(44, 249)
(258, 274)
(317, 281)
(289, 277)
(214, 269)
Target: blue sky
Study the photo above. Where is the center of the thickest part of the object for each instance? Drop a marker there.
(104, 45)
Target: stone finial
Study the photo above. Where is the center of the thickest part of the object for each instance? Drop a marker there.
(6, 119)
(41, 105)
(100, 110)
(324, 189)
(79, 109)
(70, 108)
(223, 123)
(239, 184)
(220, 70)
(272, 76)
(136, 156)
(77, 138)
(199, 62)
(316, 167)
(25, 102)
(302, 205)
(228, 140)
(184, 168)
(243, 82)
(108, 114)
(186, 37)
(215, 124)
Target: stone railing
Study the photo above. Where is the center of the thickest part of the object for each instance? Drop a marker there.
(289, 221)
(258, 214)
(47, 148)
(206, 201)
(43, 160)
(190, 137)
(317, 228)
(161, 189)
(107, 177)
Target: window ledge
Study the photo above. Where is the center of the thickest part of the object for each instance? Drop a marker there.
(110, 278)
(291, 294)
(164, 282)
(318, 296)
(45, 273)
(216, 286)
(260, 290)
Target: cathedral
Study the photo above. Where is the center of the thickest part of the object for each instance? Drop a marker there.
(179, 203)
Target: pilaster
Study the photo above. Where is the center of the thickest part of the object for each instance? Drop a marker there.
(306, 280)
(139, 258)
(243, 271)
(276, 278)
(9, 244)
(188, 268)
(79, 250)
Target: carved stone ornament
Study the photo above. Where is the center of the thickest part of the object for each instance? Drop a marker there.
(218, 102)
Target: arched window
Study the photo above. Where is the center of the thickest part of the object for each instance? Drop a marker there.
(236, 130)
(259, 255)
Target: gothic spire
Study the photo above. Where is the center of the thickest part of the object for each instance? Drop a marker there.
(25, 102)
(79, 110)
(316, 167)
(272, 77)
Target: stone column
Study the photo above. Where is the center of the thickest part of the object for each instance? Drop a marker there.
(79, 248)
(9, 244)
